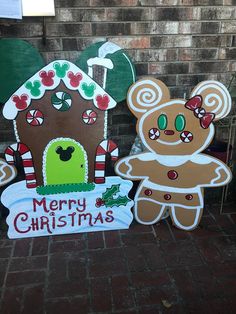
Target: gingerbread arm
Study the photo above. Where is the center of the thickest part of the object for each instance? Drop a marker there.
(131, 167)
(222, 174)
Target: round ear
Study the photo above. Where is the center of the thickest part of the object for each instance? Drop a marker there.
(216, 98)
(145, 94)
(70, 149)
(59, 150)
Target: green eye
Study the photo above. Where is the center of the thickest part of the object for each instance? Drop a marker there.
(162, 122)
(180, 122)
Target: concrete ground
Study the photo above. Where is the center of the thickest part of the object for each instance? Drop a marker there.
(146, 269)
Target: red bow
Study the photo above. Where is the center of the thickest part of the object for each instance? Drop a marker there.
(195, 104)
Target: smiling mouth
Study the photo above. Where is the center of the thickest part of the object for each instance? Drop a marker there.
(169, 143)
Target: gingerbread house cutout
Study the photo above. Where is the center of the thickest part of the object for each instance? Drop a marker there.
(58, 114)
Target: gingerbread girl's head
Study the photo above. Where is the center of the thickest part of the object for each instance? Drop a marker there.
(177, 126)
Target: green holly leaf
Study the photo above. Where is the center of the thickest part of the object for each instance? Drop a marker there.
(121, 200)
(110, 192)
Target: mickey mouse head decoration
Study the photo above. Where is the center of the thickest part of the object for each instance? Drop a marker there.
(175, 132)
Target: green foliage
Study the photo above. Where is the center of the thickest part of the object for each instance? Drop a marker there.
(110, 192)
(18, 62)
(121, 200)
(65, 188)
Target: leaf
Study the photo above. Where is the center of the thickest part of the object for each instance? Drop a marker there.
(110, 192)
(166, 304)
(121, 200)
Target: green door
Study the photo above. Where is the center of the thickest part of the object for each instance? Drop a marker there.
(64, 161)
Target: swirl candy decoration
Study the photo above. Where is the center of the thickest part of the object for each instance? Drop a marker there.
(61, 101)
(34, 117)
(216, 98)
(89, 116)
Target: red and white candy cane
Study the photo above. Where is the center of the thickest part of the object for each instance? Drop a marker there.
(27, 160)
(105, 147)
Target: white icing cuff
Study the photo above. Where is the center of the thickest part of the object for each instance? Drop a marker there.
(107, 63)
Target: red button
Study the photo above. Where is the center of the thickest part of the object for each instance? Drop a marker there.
(167, 197)
(148, 192)
(172, 175)
(189, 197)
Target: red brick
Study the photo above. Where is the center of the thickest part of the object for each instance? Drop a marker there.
(77, 269)
(112, 239)
(3, 268)
(139, 238)
(136, 260)
(5, 252)
(121, 292)
(25, 278)
(101, 287)
(40, 246)
(209, 251)
(67, 246)
(67, 288)
(106, 262)
(183, 281)
(22, 247)
(154, 296)
(150, 279)
(33, 300)
(164, 231)
(137, 228)
(57, 267)
(28, 263)
(70, 306)
(95, 240)
(12, 301)
(181, 253)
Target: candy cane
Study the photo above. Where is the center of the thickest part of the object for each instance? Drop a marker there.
(28, 165)
(106, 146)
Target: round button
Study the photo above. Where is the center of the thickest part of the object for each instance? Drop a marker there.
(167, 197)
(189, 197)
(172, 175)
(148, 192)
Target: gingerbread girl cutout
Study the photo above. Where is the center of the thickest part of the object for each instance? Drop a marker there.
(173, 171)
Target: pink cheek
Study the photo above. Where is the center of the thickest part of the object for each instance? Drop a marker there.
(186, 137)
(153, 134)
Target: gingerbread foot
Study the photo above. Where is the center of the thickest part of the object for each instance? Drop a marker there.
(186, 218)
(149, 211)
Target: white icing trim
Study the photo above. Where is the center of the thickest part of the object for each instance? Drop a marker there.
(10, 111)
(224, 100)
(179, 225)
(131, 66)
(2, 177)
(105, 62)
(63, 139)
(107, 48)
(146, 97)
(105, 124)
(16, 131)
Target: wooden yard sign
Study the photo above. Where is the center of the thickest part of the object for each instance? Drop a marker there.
(59, 115)
(174, 171)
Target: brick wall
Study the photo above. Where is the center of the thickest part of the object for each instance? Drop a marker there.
(179, 41)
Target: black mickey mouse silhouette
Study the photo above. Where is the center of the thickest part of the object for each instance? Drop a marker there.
(65, 154)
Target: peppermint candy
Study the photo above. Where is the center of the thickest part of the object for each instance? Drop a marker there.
(199, 112)
(89, 116)
(34, 117)
(154, 134)
(186, 137)
(61, 101)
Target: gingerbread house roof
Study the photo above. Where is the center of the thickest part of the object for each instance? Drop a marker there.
(48, 78)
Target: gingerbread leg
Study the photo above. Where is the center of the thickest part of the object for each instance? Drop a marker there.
(148, 212)
(186, 218)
